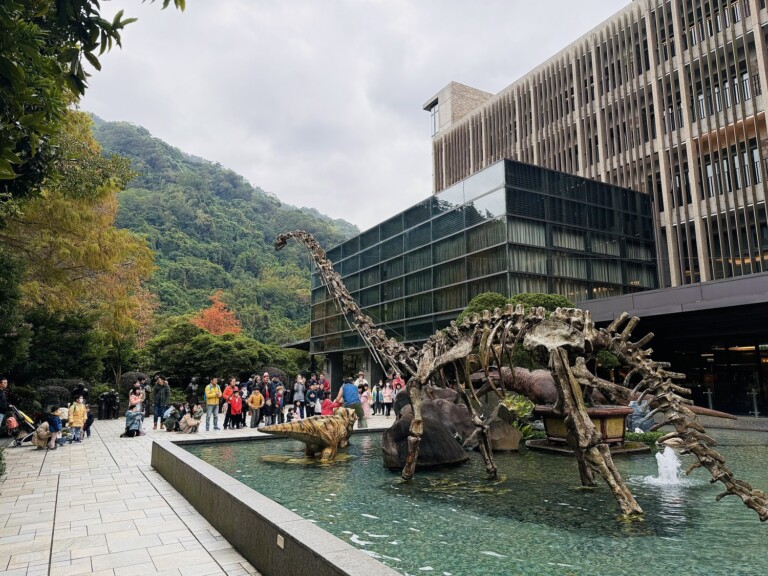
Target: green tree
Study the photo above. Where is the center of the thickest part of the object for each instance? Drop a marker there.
(182, 350)
(14, 333)
(44, 45)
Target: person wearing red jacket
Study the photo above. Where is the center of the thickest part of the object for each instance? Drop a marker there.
(328, 405)
(225, 396)
(235, 413)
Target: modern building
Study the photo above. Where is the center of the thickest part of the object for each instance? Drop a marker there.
(665, 97)
(509, 228)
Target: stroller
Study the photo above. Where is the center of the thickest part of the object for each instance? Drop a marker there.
(25, 426)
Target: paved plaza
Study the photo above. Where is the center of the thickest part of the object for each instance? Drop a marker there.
(99, 508)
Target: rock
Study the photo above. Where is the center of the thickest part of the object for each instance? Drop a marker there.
(504, 436)
(438, 446)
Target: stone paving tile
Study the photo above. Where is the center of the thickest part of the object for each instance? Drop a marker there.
(99, 508)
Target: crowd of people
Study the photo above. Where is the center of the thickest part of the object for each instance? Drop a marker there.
(260, 401)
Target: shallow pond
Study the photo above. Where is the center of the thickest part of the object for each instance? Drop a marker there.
(533, 520)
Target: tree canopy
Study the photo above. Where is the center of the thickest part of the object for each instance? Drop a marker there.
(44, 46)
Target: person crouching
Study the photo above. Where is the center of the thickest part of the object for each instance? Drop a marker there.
(133, 420)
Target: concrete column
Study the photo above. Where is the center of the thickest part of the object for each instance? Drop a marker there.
(334, 370)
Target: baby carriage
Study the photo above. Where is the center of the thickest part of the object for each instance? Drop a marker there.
(25, 426)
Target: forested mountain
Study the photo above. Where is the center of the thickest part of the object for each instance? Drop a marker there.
(210, 230)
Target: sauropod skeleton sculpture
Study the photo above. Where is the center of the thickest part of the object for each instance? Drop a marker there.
(569, 339)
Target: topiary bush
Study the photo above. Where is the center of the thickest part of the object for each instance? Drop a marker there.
(549, 302)
(484, 301)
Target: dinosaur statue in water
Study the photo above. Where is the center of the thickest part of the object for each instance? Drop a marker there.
(568, 340)
(323, 434)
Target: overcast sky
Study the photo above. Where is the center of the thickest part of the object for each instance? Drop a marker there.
(319, 102)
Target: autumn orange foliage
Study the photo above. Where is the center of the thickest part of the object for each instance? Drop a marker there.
(216, 319)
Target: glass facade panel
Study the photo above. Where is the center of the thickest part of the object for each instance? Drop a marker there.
(392, 268)
(448, 249)
(393, 289)
(418, 305)
(418, 214)
(491, 284)
(418, 236)
(369, 277)
(393, 311)
(568, 238)
(571, 289)
(418, 330)
(392, 247)
(487, 207)
(567, 265)
(519, 284)
(369, 238)
(350, 247)
(528, 260)
(448, 224)
(418, 259)
(604, 245)
(606, 271)
(450, 273)
(418, 282)
(391, 227)
(487, 263)
(370, 257)
(527, 232)
(453, 298)
(523, 203)
(484, 181)
(369, 296)
(453, 196)
(488, 234)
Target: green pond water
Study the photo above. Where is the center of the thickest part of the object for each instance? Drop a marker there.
(534, 520)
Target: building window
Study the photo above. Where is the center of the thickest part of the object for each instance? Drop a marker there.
(718, 101)
(701, 105)
(756, 85)
(736, 95)
(726, 175)
(736, 171)
(710, 181)
(745, 85)
(727, 94)
(756, 168)
(745, 162)
(434, 116)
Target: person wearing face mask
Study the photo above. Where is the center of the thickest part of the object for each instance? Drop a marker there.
(77, 417)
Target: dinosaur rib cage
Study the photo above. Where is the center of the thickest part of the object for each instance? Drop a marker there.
(493, 334)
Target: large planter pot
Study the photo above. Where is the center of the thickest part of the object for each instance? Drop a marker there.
(610, 421)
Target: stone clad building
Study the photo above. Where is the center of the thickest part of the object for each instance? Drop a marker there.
(665, 97)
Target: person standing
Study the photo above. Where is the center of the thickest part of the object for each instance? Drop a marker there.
(212, 395)
(255, 403)
(378, 399)
(229, 389)
(162, 394)
(388, 397)
(77, 417)
(3, 399)
(299, 396)
(312, 399)
(361, 381)
(324, 384)
(191, 392)
(349, 395)
(365, 399)
(235, 412)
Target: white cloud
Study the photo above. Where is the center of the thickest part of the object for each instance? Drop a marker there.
(320, 103)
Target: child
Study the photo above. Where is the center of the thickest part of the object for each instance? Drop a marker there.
(235, 410)
(291, 416)
(77, 418)
(54, 427)
(328, 405)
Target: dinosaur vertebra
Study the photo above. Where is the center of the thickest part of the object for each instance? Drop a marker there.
(324, 434)
(569, 339)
